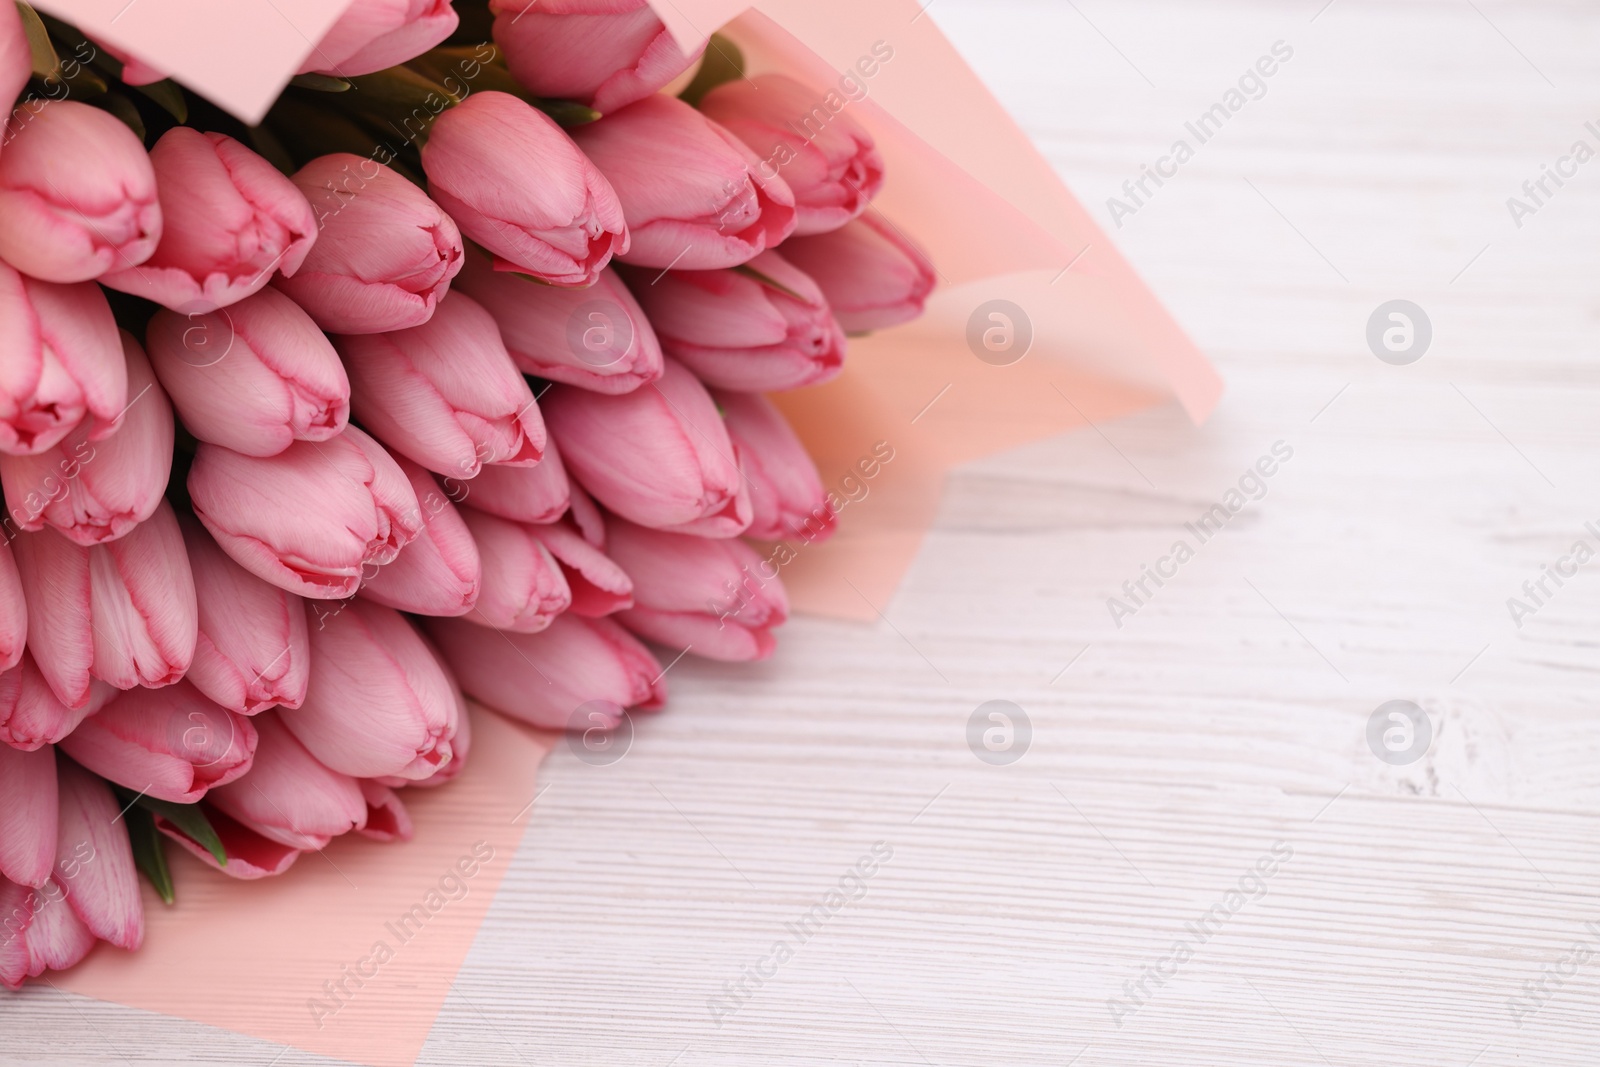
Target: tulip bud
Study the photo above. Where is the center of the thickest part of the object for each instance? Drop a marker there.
(460, 749)
(445, 394)
(604, 53)
(253, 376)
(172, 745)
(16, 61)
(252, 651)
(94, 860)
(77, 194)
(288, 796)
(250, 855)
(693, 195)
(310, 518)
(32, 715)
(374, 34)
(711, 597)
(63, 363)
(826, 156)
(516, 184)
(522, 494)
(599, 586)
(122, 611)
(760, 328)
(597, 338)
(523, 588)
(97, 491)
(872, 275)
(556, 678)
(786, 494)
(384, 254)
(386, 817)
(379, 703)
(28, 808)
(42, 933)
(659, 455)
(440, 572)
(229, 220)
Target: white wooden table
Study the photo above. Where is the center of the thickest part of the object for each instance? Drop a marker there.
(1229, 714)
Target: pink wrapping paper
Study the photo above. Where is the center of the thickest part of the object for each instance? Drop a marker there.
(963, 181)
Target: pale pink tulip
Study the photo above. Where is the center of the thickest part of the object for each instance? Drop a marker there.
(32, 715)
(229, 220)
(445, 393)
(123, 612)
(604, 53)
(828, 158)
(374, 34)
(599, 586)
(16, 61)
(658, 455)
(254, 376)
(597, 338)
(873, 276)
(386, 817)
(556, 678)
(523, 587)
(379, 703)
(759, 328)
(39, 932)
(77, 194)
(384, 255)
(253, 651)
(440, 572)
(516, 184)
(97, 491)
(310, 518)
(28, 806)
(250, 855)
(786, 494)
(288, 796)
(63, 363)
(94, 860)
(523, 494)
(711, 597)
(460, 750)
(172, 745)
(693, 195)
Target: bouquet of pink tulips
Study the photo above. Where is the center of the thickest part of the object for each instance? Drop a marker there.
(445, 381)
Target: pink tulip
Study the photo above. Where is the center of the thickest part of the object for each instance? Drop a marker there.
(310, 518)
(253, 651)
(39, 932)
(555, 678)
(379, 702)
(659, 455)
(599, 586)
(97, 491)
(254, 376)
(230, 220)
(384, 255)
(374, 34)
(522, 494)
(516, 184)
(786, 494)
(13, 611)
(63, 362)
(445, 393)
(760, 328)
(27, 815)
(16, 64)
(173, 745)
(523, 588)
(693, 195)
(440, 572)
(460, 749)
(597, 338)
(871, 274)
(123, 612)
(386, 817)
(605, 53)
(77, 194)
(288, 796)
(250, 855)
(32, 715)
(94, 860)
(712, 597)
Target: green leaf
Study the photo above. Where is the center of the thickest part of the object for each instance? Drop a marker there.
(723, 63)
(398, 86)
(320, 83)
(191, 821)
(565, 112)
(168, 96)
(45, 60)
(149, 851)
(123, 108)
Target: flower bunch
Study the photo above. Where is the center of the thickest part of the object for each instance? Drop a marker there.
(445, 382)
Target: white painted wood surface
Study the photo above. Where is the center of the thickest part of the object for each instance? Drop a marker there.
(1229, 713)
